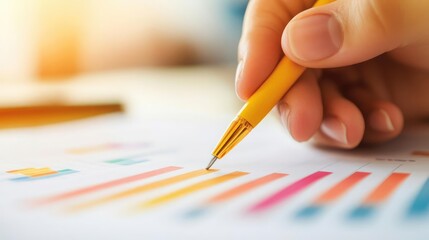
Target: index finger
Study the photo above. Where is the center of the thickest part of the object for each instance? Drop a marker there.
(260, 44)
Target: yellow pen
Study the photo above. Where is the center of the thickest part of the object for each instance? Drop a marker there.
(260, 103)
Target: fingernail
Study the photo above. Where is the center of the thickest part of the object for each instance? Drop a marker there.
(314, 37)
(238, 73)
(284, 111)
(334, 129)
(379, 120)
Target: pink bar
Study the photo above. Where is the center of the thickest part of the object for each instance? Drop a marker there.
(288, 191)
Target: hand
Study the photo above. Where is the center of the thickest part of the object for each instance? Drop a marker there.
(368, 66)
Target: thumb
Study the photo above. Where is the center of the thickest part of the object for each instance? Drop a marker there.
(347, 32)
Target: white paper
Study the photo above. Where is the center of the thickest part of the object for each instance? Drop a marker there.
(109, 148)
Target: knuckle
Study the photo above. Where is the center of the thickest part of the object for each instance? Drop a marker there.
(385, 14)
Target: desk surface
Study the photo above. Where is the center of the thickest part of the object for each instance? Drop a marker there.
(191, 91)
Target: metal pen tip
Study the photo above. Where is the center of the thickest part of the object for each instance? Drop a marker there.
(211, 163)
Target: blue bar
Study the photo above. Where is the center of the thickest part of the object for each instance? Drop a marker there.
(195, 213)
(127, 161)
(310, 211)
(132, 161)
(363, 211)
(115, 161)
(420, 205)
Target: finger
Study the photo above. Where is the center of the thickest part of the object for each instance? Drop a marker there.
(301, 108)
(343, 75)
(343, 124)
(383, 119)
(346, 32)
(260, 47)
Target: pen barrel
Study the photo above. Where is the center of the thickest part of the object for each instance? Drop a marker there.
(271, 91)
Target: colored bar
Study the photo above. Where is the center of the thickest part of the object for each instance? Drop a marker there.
(331, 195)
(378, 195)
(106, 147)
(144, 188)
(195, 213)
(309, 211)
(32, 171)
(90, 149)
(191, 189)
(386, 188)
(231, 193)
(20, 170)
(43, 176)
(421, 153)
(127, 161)
(341, 188)
(110, 184)
(289, 191)
(363, 211)
(420, 205)
(132, 162)
(45, 173)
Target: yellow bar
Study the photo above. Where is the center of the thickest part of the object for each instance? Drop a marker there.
(190, 189)
(143, 188)
(20, 170)
(36, 172)
(44, 173)
(31, 172)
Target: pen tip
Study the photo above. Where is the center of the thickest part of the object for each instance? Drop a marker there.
(211, 163)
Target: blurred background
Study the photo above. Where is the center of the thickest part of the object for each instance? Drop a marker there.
(140, 56)
(45, 39)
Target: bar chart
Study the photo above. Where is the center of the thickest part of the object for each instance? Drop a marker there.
(374, 199)
(122, 183)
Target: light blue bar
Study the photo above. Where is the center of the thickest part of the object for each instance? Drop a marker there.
(195, 213)
(127, 161)
(131, 162)
(115, 161)
(420, 205)
(309, 211)
(363, 211)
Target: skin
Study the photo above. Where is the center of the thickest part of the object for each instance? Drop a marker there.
(367, 60)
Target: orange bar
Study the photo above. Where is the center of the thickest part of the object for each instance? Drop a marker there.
(45, 173)
(386, 188)
(341, 188)
(190, 189)
(31, 116)
(421, 153)
(233, 192)
(144, 188)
